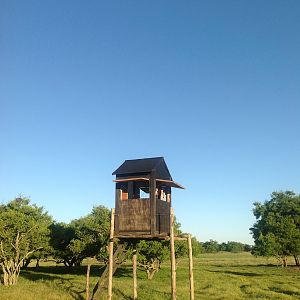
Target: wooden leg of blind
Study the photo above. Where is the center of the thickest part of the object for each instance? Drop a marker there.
(173, 262)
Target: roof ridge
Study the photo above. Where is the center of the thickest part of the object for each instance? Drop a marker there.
(156, 157)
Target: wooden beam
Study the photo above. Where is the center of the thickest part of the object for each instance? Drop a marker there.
(117, 210)
(111, 255)
(101, 285)
(134, 264)
(191, 275)
(130, 190)
(87, 287)
(178, 238)
(131, 179)
(112, 224)
(173, 262)
(152, 189)
(143, 236)
(171, 183)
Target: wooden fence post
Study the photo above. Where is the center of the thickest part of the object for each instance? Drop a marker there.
(191, 274)
(134, 263)
(173, 262)
(111, 255)
(87, 287)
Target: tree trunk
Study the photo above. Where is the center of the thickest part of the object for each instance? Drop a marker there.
(150, 274)
(26, 262)
(297, 261)
(152, 268)
(11, 272)
(284, 261)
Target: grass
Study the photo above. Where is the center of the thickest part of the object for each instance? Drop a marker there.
(217, 276)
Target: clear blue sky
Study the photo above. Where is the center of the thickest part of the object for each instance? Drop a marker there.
(213, 86)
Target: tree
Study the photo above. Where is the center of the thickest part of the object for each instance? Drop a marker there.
(211, 246)
(61, 236)
(277, 229)
(38, 256)
(83, 237)
(24, 230)
(151, 254)
(234, 247)
(247, 248)
(196, 247)
(223, 247)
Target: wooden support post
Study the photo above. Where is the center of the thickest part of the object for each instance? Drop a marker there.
(173, 262)
(111, 255)
(152, 188)
(134, 263)
(130, 190)
(191, 275)
(117, 210)
(87, 287)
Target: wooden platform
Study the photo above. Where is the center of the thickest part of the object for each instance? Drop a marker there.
(141, 235)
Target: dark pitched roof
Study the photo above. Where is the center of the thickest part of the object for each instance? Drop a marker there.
(144, 165)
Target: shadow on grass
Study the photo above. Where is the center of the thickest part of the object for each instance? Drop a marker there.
(120, 294)
(246, 274)
(123, 272)
(49, 278)
(56, 274)
(244, 265)
(62, 270)
(282, 291)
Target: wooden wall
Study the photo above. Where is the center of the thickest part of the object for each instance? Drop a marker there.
(134, 215)
(163, 216)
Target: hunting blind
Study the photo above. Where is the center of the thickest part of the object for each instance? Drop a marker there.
(142, 211)
(143, 198)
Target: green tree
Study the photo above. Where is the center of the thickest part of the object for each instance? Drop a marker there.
(24, 230)
(151, 254)
(83, 237)
(247, 248)
(196, 247)
(277, 229)
(223, 247)
(61, 236)
(234, 247)
(211, 246)
(181, 248)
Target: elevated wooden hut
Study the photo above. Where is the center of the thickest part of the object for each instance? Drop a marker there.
(142, 211)
(143, 198)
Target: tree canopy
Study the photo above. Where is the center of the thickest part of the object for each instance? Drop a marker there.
(83, 237)
(277, 229)
(24, 229)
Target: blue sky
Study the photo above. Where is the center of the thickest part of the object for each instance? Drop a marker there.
(213, 86)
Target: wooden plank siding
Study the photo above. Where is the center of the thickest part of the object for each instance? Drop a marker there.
(134, 215)
(163, 216)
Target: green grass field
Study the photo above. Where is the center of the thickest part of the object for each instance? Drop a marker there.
(217, 276)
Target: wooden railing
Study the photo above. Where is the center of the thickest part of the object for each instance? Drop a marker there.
(134, 215)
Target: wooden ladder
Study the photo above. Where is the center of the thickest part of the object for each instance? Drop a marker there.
(101, 285)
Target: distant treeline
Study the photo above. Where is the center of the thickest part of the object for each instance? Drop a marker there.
(213, 246)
